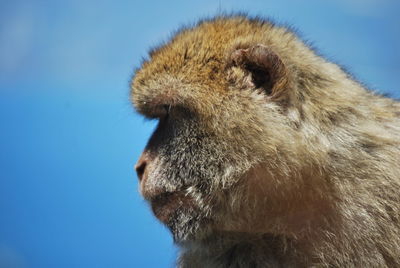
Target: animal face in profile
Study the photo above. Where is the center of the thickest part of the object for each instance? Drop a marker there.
(219, 99)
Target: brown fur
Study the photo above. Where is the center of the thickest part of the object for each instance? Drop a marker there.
(300, 168)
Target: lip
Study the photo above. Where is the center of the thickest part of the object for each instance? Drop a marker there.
(165, 205)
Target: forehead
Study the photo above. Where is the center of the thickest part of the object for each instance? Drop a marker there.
(198, 54)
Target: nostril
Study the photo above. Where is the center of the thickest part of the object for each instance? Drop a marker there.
(140, 167)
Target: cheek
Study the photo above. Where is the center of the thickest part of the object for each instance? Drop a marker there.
(191, 158)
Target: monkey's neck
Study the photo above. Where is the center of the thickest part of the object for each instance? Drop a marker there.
(241, 250)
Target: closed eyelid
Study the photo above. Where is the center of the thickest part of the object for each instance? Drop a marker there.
(155, 111)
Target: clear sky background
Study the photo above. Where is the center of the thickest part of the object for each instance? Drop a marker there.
(69, 137)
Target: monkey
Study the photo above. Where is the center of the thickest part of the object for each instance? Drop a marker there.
(265, 153)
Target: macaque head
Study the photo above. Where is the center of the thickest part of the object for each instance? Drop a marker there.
(224, 96)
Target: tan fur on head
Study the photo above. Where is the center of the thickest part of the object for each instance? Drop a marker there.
(266, 154)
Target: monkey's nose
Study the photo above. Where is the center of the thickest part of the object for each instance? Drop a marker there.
(140, 167)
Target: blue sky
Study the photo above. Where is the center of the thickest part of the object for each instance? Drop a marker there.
(69, 137)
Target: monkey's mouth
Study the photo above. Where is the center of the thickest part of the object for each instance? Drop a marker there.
(165, 205)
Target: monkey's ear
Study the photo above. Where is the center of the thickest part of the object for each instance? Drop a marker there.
(263, 67)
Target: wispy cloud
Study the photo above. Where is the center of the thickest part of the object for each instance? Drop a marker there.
(366, 7)
(16, 37)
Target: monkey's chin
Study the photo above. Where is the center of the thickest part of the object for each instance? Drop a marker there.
(180, 214)
(165, 205)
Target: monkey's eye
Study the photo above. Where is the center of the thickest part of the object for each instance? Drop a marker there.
(160, 111)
